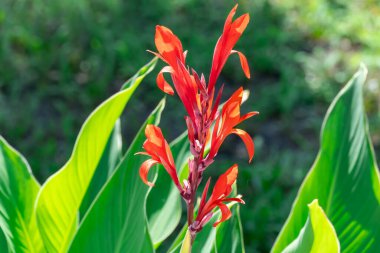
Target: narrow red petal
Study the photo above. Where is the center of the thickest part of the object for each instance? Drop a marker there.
(243, 62)
(226, 213)
(144, 169)
(203, 200)
(230, 17)
(239, 200)
(247, 116)
(247, 141)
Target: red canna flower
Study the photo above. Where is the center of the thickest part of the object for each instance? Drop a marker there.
(201, 104)
(225, 123)
(158, 148)
(219, 196)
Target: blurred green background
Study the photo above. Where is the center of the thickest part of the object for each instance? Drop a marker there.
(60, 59)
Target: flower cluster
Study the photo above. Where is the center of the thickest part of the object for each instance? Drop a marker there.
(206, 124)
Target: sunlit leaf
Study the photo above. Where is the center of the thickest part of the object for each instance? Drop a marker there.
(344, 177)
(61, 196)
(18, 191)
(317, 235)
(111, 156)
(116, 222)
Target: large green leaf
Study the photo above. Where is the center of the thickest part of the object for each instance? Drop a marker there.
(163, 205)
(344, 177)
(61, 196)
(317, 235)
(18, 191)
(111, 156)
(116, 222)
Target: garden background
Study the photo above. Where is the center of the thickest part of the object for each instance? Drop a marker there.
(60, 59)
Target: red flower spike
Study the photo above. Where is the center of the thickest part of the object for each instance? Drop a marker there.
(201, 104)
(222, 189)
(223, 49)
(158, 148)
(225, 123)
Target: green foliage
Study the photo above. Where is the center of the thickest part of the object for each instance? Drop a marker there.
(62, 59)
(344, 178)
(121, 218)
(18, 192)
(116, 221)
(57, 225)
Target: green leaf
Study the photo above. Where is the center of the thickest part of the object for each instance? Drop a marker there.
(344, 177)
(163, 205)
(229, 235)
(116, 222)
(61, 196)
(113, 151)
(110, 158)
(317, 235)
(3, 241)
(18, 191)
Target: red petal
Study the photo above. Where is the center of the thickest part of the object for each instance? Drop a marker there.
(243, 62)
(168, 45)
(240, 24)
(230, 17)
(239, 200)
(161, 82)
(216, 104)
(154, 135)
(247, 116)
(226, 213)
(203, 200)
(223, 185)
(247, 141)
(144, 169)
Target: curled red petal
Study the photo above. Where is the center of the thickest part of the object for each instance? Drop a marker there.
(248, 142)
(226, 213)
(144, 169)
(243, 62)
(162, 83)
